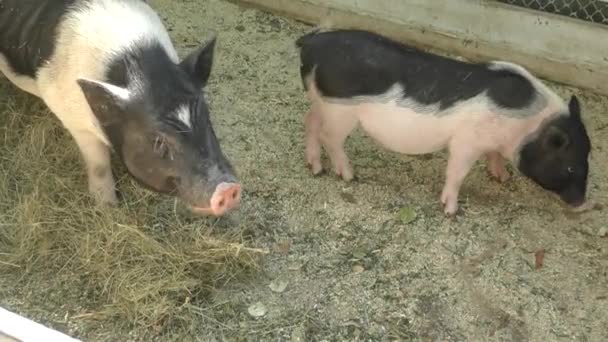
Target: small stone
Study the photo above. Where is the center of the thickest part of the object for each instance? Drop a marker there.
(257, 310)
(278, 285)
(603, 232)
(358, 268)
(298, 334)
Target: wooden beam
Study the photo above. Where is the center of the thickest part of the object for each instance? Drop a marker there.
(554, 47)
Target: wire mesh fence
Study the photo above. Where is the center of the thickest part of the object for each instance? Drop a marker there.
(589, 10)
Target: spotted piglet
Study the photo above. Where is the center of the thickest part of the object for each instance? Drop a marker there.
(414, 102)
(108, 70)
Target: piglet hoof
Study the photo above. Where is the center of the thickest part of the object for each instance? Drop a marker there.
(105, 200)
(501, 175)
(347, 177)
(103, 195)
(315, 168)
(345, 173)
(450, 212)
(450, 204)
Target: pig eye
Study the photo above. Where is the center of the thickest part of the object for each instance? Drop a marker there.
(161, 147)
(570, 169)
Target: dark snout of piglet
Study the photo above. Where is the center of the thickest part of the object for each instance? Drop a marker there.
(574, 196)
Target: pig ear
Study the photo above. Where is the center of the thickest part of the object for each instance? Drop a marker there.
(574, 107)
(556, 139)
(107, 101)
(199, 62)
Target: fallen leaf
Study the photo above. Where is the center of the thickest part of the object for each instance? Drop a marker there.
(407, 215)
(282, 247)
(539, 256)
(278, 285)
(349, 198)
(359, 253)
(257, 310)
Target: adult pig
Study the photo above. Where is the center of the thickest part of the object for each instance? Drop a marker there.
(414, 102)
(108, 70)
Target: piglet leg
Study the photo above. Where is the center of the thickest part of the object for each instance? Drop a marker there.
(96, 156)
(334, 130)
(461, 160)
(312, 124)
(496, 166)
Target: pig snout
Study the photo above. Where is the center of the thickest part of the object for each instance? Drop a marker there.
(573, 198)
(225, 197)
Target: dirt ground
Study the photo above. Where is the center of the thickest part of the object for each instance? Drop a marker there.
(345, 262)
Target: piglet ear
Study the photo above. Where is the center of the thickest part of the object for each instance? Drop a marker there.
(107, 101)
(555, 139)
(199, 62)
(574, 107)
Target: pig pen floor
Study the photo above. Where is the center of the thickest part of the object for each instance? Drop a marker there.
(370, 260)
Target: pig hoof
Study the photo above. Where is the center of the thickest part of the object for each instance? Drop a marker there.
(450, 205)
(500, 175)
(450, 212)
(345, 173)
(106, 200)
(347, 177)
(315, 168)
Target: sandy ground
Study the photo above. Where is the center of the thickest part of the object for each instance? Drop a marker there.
(353, 269)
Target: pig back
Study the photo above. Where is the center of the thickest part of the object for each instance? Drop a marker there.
(28, 32)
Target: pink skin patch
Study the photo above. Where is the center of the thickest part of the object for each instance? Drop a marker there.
(226, 197)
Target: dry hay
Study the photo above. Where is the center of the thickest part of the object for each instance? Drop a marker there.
(140, 264)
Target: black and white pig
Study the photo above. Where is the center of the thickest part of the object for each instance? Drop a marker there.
(414, 102)
(108, 70)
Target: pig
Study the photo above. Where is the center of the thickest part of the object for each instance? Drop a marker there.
(413, 102)
(109, 72)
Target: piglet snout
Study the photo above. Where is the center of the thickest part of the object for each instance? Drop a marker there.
(582, 207)
(225, 197)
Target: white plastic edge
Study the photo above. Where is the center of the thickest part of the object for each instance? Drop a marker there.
(26, 330)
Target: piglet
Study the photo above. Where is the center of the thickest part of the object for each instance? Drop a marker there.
(108, 70)
(413, 102)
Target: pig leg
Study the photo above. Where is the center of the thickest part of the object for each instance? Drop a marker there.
(96, 155)
(461, 160)
(312, 124)
(336, 126)
(496, 166)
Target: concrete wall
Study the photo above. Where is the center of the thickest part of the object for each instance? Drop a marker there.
(555, 47)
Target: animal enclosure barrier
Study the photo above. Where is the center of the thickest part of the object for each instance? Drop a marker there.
(559, 40)
(16, 328)
(595, 11)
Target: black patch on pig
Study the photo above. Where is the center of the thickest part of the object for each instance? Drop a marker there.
(160, 151)
(558, 158)
(354, 63)
(166, 87)
(28, 31)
